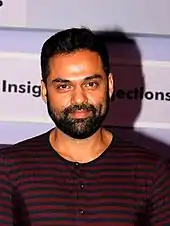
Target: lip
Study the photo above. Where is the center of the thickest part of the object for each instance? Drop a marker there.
(80, 114)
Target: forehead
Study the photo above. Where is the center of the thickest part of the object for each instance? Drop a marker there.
(80, 63)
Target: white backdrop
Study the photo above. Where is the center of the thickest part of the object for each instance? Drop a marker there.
(134, 16)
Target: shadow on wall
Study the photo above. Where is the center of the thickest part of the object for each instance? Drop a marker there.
(126, 106)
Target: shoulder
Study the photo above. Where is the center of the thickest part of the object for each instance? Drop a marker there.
(26, 146)
(138, 156)
(142, 162)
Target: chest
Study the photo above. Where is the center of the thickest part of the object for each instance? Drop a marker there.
(77, 196)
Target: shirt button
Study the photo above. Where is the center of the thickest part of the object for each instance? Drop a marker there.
(76, 163)
(82, 186)
(81, 212)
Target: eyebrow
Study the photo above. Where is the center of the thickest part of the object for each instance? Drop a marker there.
(95, 76)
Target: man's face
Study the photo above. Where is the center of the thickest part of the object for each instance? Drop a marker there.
(77, 93)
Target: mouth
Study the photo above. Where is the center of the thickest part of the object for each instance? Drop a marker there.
(80, 114)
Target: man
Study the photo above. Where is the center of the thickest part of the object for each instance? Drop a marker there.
(78, 173)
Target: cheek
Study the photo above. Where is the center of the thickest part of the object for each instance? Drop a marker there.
(98, 98)
(57, 100)
(103, 101)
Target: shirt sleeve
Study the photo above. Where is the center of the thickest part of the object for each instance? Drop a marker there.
(6, 216)
(160, 196)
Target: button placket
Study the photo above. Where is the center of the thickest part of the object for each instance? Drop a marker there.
(80, 187)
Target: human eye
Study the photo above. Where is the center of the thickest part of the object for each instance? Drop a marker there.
(92, 84)
(63, 87)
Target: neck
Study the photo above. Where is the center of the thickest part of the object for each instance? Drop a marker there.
(80, 150)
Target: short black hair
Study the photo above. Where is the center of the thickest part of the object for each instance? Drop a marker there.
(72, 40)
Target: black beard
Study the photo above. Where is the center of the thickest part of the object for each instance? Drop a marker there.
(79, 128)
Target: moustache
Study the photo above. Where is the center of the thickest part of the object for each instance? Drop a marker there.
(79, 107)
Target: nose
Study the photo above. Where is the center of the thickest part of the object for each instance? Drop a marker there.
(79, 96)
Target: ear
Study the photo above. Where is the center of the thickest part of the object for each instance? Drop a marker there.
(111, 84)
(44, 91)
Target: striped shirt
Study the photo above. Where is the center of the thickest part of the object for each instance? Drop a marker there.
(125, 186)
